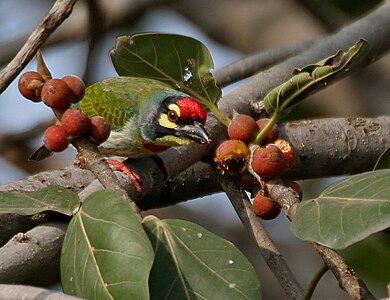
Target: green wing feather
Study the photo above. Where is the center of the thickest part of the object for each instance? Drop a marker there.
(118, 99)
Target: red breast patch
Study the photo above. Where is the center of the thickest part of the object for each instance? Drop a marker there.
(154, 148)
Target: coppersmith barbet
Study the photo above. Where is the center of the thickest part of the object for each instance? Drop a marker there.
(146, 116)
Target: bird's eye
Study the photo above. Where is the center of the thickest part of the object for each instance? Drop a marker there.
(172, 116)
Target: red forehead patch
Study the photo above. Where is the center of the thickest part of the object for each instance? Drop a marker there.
(190, 109)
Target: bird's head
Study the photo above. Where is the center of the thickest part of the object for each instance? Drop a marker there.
(177, 121)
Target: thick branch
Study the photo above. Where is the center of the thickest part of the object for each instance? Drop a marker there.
(29, 252)
(372, 28)
(11, 291)
(324, 147)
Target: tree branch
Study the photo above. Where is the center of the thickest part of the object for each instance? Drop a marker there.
(26, 253)
(11, 291)
(253, 64)
(348, 280)
(370, 27)
(96, 163)
(358, 147)
(268, 250)
(58, 13)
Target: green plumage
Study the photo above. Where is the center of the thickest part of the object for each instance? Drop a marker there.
(126, 102)
(119, 99)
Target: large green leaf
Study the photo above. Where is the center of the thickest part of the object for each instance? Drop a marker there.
(305, 81)
(193, 263)
(52, 198)
(180, 61)
(106, 253)
(346, 212)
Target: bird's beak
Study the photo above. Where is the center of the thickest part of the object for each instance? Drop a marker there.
(195, 132)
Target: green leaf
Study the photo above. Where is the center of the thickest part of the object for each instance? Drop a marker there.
(346, 212)
(311, 78)
(383, 161)
(106, 253)
(180, 61)
(52, 198)
(193, 263)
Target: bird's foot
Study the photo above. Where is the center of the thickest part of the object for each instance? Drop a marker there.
(120, 166)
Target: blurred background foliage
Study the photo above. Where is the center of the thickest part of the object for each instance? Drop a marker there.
(231, 29)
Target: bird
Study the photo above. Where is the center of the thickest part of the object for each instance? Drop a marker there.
(147, 116)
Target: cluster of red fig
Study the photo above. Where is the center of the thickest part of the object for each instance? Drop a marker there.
(270, 159)
(60, 94)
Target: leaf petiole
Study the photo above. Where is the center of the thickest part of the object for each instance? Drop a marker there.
(271, 123)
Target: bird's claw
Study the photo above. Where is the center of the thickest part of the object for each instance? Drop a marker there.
(120, 166)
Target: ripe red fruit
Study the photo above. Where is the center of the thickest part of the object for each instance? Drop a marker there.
(264, 207)
(55, 138)
(296, 187)
(232, 156)
(75, 122)
(100, 129)
(30, 85)
(288, 151)
(243, 128)
(56, 94)
(268, 162)
(77, 85)
(272, 135)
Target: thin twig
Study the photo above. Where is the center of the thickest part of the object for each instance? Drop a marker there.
(349, 282)
(268, 250)
(58, 13)
(315, 280)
